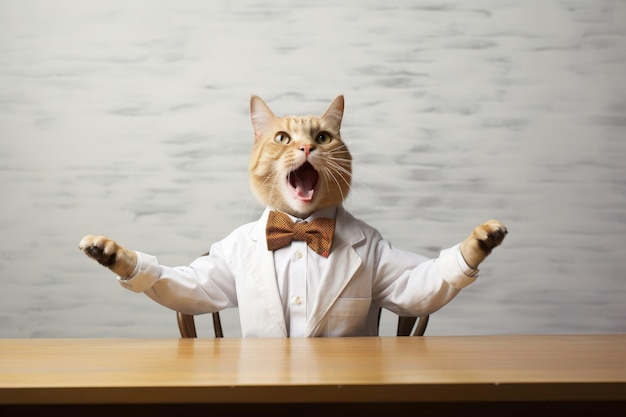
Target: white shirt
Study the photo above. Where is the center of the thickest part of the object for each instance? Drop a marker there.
(299, 270)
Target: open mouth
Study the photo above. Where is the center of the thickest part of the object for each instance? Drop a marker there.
(302, 182)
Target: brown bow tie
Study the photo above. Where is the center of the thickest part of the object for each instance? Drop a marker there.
(318, 234)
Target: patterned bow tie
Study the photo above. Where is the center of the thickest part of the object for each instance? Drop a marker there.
(318, 234)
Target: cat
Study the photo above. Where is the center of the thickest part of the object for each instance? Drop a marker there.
(299, 165)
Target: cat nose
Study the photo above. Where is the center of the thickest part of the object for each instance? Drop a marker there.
(306, 149)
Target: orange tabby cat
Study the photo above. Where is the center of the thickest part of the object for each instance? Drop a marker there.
(306, 151)
(300, 166)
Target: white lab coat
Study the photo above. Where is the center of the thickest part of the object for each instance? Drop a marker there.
(364, 273)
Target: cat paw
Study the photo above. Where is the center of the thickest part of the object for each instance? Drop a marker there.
(108, 253)
(490, 235)
(99, 248)
(482, 241)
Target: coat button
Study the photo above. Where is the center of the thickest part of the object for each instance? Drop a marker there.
(298, 300)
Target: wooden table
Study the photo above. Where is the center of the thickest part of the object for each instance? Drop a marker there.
(491, 374)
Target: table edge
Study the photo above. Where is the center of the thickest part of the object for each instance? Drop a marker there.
(596, 391)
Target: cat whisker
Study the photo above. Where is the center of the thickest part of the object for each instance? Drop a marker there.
(332, 168)
(378, 174)
(329, 174)
(339, 168)
(340, 161)
(339, 164)
(270, 183)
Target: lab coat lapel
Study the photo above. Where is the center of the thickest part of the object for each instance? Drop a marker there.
(343, 263)
(260, 265)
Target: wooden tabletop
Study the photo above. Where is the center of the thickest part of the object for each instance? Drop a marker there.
(431, 368)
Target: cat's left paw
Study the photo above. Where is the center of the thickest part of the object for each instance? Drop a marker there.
(482, 241)
(490, 235)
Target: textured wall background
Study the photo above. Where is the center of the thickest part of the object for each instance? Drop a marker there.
(130, 119)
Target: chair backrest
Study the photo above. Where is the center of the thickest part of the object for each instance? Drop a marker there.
(187, 325)
(406, 324)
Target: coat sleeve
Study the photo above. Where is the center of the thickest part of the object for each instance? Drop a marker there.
(413, 285)
(205, 286)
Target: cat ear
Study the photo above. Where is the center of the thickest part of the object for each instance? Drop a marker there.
(262, 117)
(334, 113)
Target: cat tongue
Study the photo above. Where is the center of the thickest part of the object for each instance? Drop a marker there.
(303, 181)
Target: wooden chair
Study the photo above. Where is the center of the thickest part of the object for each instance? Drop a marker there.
(406, 324)
(187, 325)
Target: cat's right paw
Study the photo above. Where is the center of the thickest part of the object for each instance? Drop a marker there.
(108, 253)
(482, 241)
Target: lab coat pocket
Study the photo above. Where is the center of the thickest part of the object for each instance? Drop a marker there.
(348, 317)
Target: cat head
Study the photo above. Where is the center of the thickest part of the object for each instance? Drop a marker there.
(299, 164)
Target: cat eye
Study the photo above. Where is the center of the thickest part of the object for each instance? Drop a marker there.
(282, 137)
(323, 138)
